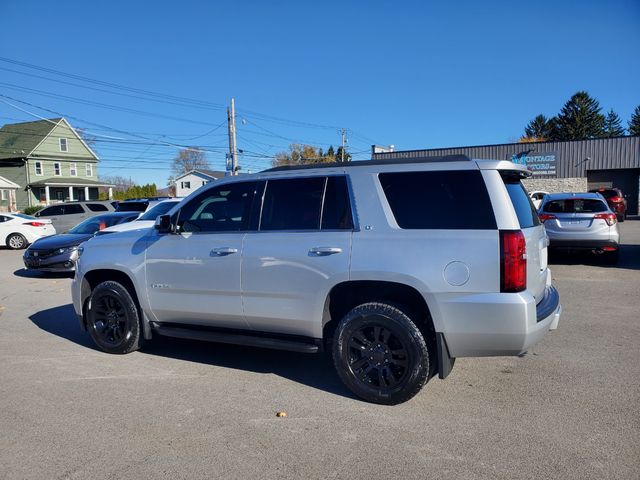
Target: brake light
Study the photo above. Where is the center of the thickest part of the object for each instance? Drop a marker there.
(546, 216)
(513, 261)
(610, 218)
(616, 199)
(35, 224)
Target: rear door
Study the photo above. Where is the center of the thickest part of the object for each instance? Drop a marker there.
(301, 250)
(534, 234)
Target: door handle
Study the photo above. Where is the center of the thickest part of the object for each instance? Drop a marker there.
(324, 251)
(223, 251)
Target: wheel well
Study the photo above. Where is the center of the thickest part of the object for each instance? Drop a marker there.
(95, 277)
(348, 295)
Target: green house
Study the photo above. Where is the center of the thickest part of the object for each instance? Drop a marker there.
(49, 162)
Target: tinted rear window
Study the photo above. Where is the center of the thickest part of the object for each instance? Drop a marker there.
(525, 211)
(575, 205)
(439, 200)
(97, 207)
(132, 206)
(336, 212)
(292, 204)
(73, 209)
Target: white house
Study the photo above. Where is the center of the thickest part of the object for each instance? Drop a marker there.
(8, 195)
(189, 182)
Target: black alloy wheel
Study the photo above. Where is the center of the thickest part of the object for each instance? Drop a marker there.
(112, 318)
(380, 354)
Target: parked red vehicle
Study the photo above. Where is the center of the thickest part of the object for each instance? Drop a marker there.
(616, 201)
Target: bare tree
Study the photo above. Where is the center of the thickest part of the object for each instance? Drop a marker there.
(121, 184)
(190, 158)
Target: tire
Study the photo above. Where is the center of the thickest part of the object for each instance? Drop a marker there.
(391, 369)
(17, 241)
(622, 218)
(113, 319)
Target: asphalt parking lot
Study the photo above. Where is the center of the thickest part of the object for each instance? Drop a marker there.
(179, 409)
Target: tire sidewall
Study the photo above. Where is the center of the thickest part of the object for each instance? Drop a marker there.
(118, 291)
(405, 330)
(20, 236)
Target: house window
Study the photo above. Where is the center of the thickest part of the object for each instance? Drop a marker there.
(39, 168)
(73, 170)
(185, 184)
(89, 170)
(3, 194)
(57, 169)
(63, 145)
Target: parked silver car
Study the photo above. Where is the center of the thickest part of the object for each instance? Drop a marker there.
(581, 221)
(65, 216)
(397, 267)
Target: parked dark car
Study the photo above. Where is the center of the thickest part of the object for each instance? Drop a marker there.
(58, 253)
(616, 201)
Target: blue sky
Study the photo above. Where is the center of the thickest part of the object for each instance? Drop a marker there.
(413, 74)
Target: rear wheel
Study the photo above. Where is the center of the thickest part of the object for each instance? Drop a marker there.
(622, 218)
(16, 241)
(380, 354)
(113, 320)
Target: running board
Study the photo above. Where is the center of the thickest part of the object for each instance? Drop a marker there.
(276, 343)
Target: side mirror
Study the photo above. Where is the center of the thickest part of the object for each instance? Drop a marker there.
(37, 214)
(163, 224)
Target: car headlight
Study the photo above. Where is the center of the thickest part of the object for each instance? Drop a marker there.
(66, 249)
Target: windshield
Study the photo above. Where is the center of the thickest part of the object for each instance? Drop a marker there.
(93, 224)
(159, 209)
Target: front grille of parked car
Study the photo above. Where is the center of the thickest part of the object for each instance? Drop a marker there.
(41, 253)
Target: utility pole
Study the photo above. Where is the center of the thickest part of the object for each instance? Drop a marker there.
(343, 132)
(233, 152)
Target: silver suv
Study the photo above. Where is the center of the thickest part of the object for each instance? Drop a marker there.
(396, 267)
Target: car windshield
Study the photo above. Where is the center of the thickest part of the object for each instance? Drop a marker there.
(159, 209)
(93, 224)
(575, 205)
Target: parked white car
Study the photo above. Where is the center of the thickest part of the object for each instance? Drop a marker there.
(17, 230)
(147, 219)
(537, 196)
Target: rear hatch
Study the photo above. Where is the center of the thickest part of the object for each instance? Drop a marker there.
(533, 231)
(575, 217)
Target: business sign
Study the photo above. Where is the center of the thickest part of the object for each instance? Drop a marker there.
(540, 163)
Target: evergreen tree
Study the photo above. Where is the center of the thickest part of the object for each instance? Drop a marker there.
(613, 125)
(347, 155)
(580, 118)
(331, 152)
(538, 129)
(634, 123)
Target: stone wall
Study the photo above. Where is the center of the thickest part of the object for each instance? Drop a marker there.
(556, 185)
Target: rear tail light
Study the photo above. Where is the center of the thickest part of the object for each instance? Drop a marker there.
(546, 216)
(610, 218)
(513, 261)
(35, 224)
(616, 199)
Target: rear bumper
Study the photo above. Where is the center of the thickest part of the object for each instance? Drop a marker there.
(583, 244)
(498, 324)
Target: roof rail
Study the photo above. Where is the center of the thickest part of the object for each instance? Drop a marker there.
(363, 163)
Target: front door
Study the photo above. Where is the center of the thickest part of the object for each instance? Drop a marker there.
(302, 249)
(193, 276)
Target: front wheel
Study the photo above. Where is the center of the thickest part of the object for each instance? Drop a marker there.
(380, 354)
(113, 320)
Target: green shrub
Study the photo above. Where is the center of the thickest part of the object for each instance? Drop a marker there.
(32, 210)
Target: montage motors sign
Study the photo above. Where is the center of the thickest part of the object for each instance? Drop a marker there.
(540, 163)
